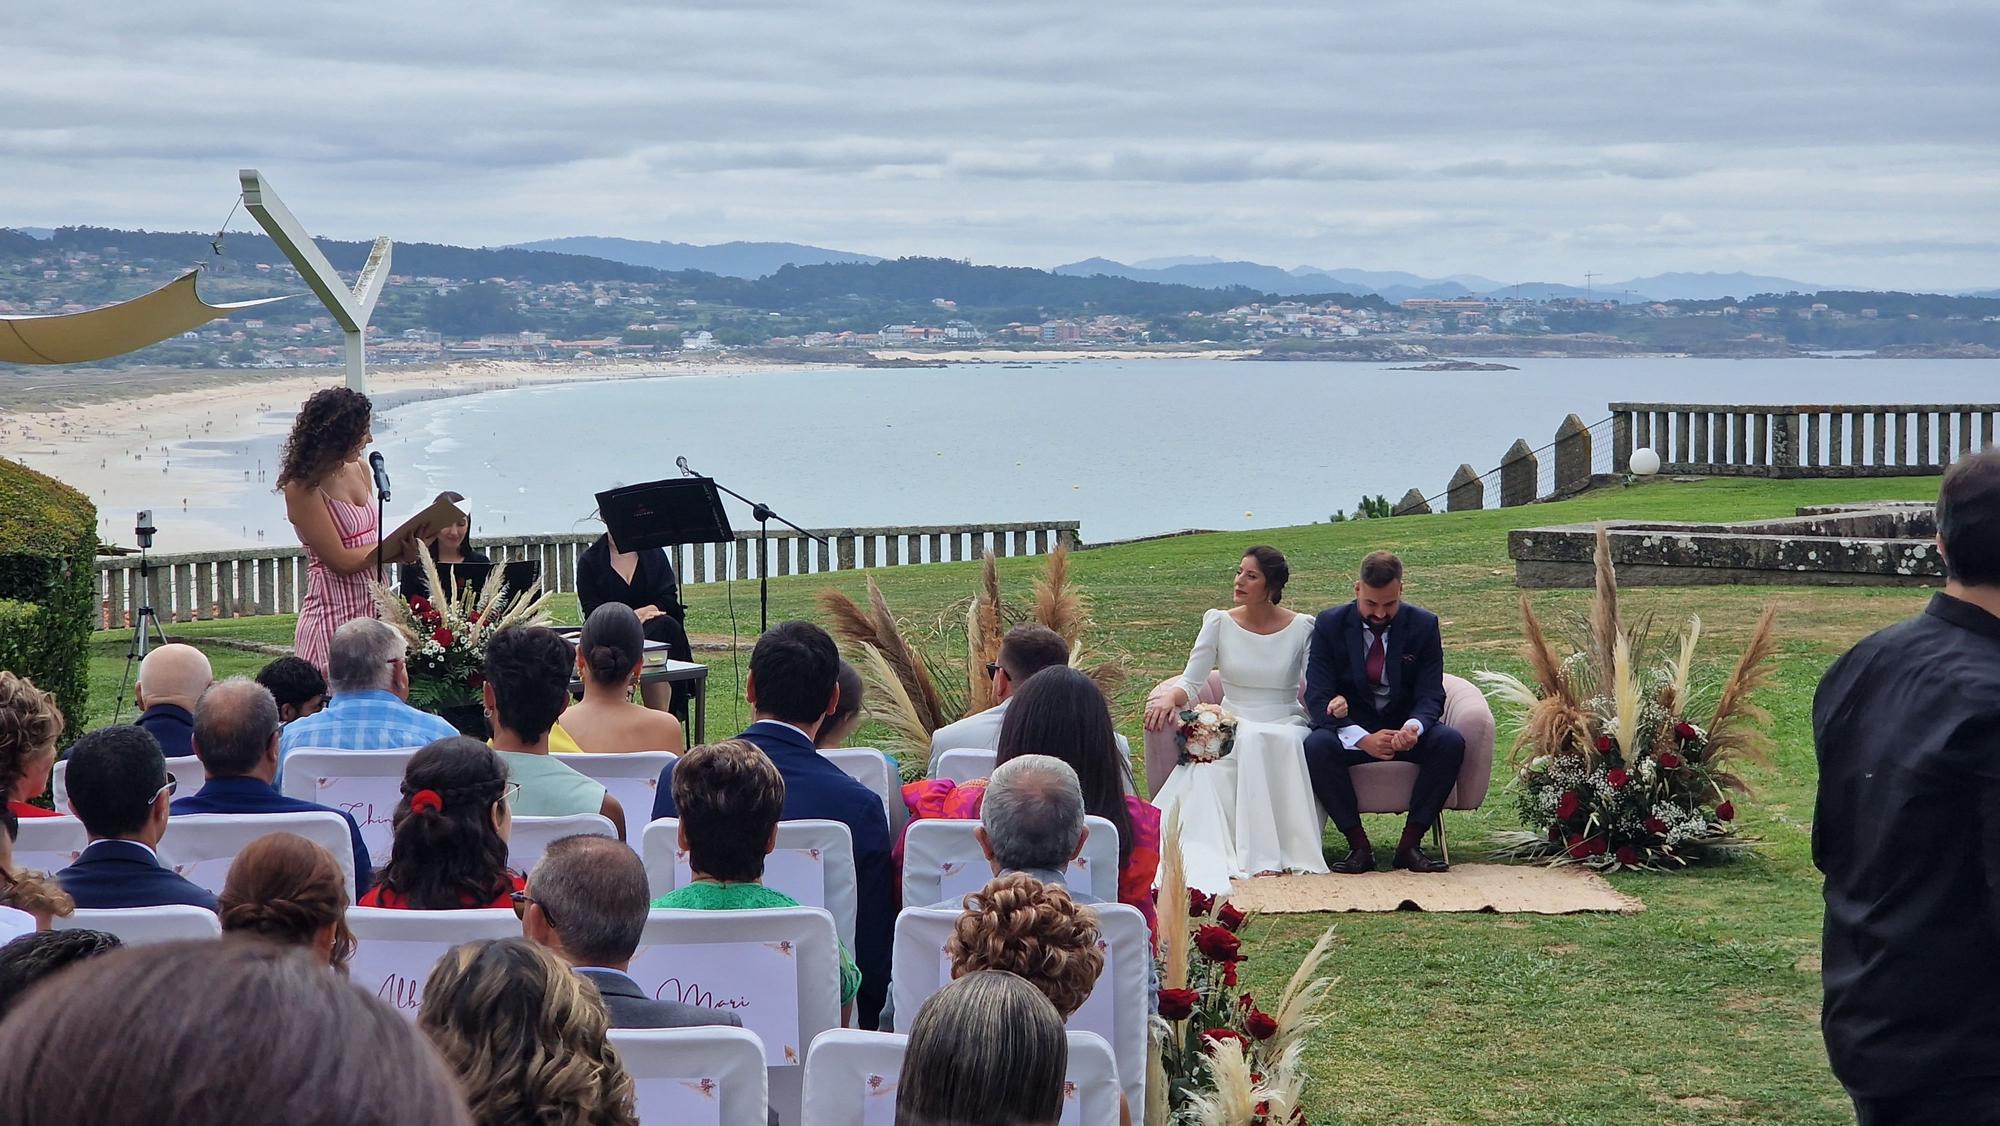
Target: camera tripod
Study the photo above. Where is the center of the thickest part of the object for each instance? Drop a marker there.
(146, 632)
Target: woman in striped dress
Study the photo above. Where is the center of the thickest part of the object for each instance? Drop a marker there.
(330, 499)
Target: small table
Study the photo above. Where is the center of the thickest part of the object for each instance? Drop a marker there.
(658, 667)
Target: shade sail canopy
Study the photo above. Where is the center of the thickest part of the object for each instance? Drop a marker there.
(96, 334)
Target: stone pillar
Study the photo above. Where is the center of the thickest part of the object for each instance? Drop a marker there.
(1698, 453)
(1466, 492)
(1785, 440)
(1520, 475)
(1621, 442)
(1572, 456)
(1412, 504)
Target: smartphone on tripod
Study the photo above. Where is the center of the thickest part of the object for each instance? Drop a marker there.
(146, 632)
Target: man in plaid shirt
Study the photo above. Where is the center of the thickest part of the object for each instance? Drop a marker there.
(368, 681)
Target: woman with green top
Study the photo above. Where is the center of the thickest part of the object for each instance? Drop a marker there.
(527, 687)
(729, 797)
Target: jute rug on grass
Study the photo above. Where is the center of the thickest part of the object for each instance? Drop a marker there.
(1496, 888)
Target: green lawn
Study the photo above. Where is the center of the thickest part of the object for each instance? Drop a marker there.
(1703, 1008)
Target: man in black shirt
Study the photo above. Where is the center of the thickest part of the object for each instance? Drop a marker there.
(1907, 831)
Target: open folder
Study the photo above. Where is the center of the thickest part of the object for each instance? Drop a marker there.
(440, 513)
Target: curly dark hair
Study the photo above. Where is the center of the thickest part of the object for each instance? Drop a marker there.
(329, 427)
(1022, 926)
(450, 857)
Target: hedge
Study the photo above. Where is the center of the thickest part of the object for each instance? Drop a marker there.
(48, 586)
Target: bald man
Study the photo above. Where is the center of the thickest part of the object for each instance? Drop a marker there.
(171, 681)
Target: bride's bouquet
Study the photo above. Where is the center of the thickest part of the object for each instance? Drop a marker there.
(1206, 733)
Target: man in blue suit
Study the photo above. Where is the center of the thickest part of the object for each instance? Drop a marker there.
(119, 789)
(236, 728)
(171, 679)
(791, 689)
(1383, 659)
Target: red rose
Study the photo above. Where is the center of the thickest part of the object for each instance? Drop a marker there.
(1231, 916)
(1199, 903)
(1260, 1025)
(1670, 761)
(1566, 808)
(1218, 943)
(1229, 974)
(474, 618)
(1577, 847)
(420, 604)
(475, 679)
(1213, 1036)
(1603, 743)
(1178, 1004)
(1628, 856)
(1656, 826)
(1725, 812)
(443, 637)
(1616, 776)
(1685, 732)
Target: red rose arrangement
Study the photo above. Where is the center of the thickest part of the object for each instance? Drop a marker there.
(448, 632)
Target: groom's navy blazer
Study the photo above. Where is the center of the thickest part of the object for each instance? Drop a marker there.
(1337, 665)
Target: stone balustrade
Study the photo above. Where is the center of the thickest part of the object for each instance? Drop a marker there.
(271, 580)
(1802, 440)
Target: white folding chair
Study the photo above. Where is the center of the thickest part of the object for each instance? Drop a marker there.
(365, 784)
(813, 863)
(1116, 1010)
(684, 1075)
(963, 764)
(632, 777)
(942, 862)
(532, 836)
(202, 846)
(851, 1079)
(777, 970)
(49, 844)
(186, 771)
(139, 925)
(395, 950)
(14, 923)
(867, 766)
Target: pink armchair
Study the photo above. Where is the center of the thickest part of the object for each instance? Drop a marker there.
(1380, 787)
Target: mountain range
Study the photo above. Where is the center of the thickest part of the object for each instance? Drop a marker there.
(1398, 286)
(728, 259)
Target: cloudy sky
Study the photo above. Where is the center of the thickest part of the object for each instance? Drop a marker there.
(1851, 143)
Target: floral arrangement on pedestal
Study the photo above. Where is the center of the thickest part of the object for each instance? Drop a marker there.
(1613, 772)
(448, 634)
(1218, 1057)
(1206, 733)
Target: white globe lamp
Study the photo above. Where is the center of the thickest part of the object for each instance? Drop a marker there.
(1645, 462)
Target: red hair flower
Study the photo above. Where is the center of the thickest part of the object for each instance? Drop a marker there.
(1231, 916)
(1218, 943)
(1726, 811)
(426, 801)
(1617, 777)
(1670, 761)
(1178, 1004)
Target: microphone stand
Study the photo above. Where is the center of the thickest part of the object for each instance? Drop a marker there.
(763, 514)
(381, 500)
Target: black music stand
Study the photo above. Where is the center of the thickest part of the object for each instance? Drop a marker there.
(665, 514)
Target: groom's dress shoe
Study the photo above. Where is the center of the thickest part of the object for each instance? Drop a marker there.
(1356, 861)
(1416, 861)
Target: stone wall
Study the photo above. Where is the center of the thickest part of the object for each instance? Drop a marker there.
(1857, 545)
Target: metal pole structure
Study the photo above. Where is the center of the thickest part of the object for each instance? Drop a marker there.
(350, 308)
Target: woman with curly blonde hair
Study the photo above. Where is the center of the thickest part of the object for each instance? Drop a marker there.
(1035, 931)
(527, 1036)
(30, 722)
(290, 890)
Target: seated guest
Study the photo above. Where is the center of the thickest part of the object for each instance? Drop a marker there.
(450, 845)
(217, 1033)
(846, 717)
(30, 892)
(236, 732)
(1031, 822)
(527, 685)
(171, 679)
(643, 580)
(730, 798)
(529, 1039)
(586, 901)
(451, 545)
(368, 674)
(792, 687)
(32, 957)
(297, 686)
(30, 723)
(119, 788)
(986, 1050)
(1026, 650)
(610, 654)
(286, 888)
(1021, 926)
(1060, 712)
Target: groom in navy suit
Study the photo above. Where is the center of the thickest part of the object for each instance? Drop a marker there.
(1385, 659)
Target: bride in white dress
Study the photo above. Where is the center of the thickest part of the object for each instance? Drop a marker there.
(1253, 812)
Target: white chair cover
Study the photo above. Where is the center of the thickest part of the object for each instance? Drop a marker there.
(138, 925)
(813, 863)
(942, 862)
(695, 1076)
(49, 844)
(186, 771)
(14, 923)
(867, 766)
(963, 764)
(395, 950)
(202, 846)
(778, 970)
(366, 784)
(532, 836)
(633, 778)
(852, 1077)
(1118, 1009)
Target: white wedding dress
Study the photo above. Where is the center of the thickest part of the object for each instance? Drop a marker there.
(1253, 811)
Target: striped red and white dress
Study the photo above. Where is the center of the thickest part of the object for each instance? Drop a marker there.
(332, 599)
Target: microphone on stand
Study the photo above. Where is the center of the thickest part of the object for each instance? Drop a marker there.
(682, 464)
(381, 475)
